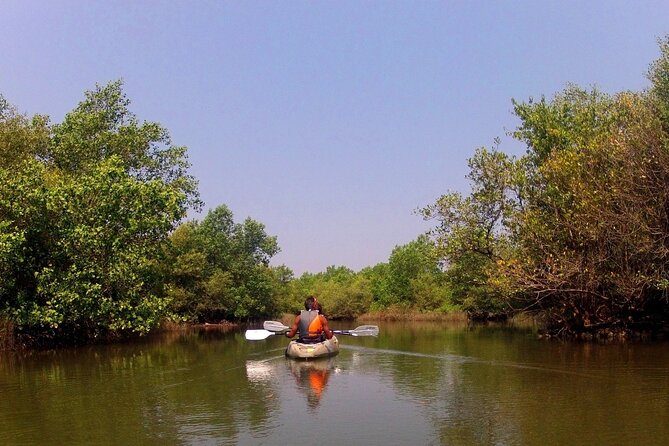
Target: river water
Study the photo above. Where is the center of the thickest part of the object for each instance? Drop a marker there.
(414, 384)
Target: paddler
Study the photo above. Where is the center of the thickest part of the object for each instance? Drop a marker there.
(311, 325)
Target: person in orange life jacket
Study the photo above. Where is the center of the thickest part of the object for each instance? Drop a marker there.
(312, 326)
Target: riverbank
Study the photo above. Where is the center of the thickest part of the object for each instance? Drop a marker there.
(7, 338)
(612, 333)
(11, 339)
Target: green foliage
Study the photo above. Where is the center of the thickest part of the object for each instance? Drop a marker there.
(342, 293)
(343, 300)
(431, 292)
(218, 269)
(659, 77)
(576, 229)
(574, 118)
(338, 274)
(473, 232)
(282, 286)
(84, 208)
(376, 278)
(411, 279)
(21, 139)
(592, 246)
(406, 264)
(102, 126)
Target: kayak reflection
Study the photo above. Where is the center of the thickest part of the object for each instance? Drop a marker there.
(312, 377)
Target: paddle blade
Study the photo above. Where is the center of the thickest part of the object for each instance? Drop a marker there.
(363, 330)
(257, 335)
(274, 326)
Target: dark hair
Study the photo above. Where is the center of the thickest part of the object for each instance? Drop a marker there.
(311, 303)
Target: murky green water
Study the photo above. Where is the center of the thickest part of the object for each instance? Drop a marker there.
(416, 384)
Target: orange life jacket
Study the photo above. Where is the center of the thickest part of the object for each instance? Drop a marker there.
(311, 328)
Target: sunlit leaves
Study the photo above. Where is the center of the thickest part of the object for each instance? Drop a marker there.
(102, 126)
(659, 76)
(576, 228)
(84, 208)
(473, 232)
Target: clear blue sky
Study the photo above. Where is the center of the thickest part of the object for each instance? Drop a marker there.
(329, 122)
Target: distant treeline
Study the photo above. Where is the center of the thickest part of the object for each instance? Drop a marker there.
(93, 242)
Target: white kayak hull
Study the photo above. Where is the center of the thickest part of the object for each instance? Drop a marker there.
(327, 348)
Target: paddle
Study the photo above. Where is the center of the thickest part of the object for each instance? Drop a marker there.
(363, 330)
(257, 335)
(274, 326)
(277, 327)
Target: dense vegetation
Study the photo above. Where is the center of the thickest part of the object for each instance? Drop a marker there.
(219, 270)
(411, 280)
(84, 208)
(577, 229)
(93, 241)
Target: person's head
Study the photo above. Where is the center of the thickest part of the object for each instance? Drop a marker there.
(311, 303)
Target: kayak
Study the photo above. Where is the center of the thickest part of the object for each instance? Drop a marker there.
(327, 348)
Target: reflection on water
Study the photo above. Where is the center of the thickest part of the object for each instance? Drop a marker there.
(421, 383)
(258, 371)
(312, 377)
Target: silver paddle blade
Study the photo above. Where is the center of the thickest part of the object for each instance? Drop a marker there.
(365, 330)
(274, 326)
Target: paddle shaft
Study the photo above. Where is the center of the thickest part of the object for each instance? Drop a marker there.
(363, 330)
